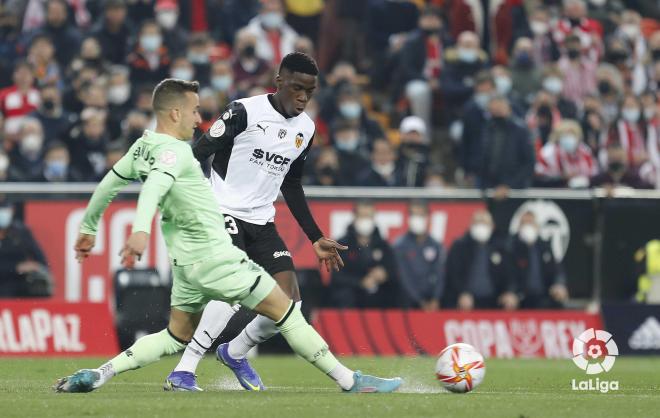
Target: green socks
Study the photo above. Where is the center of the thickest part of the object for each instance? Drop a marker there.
(146, 350)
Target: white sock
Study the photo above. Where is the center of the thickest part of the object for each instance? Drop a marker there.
(257, 331)
(343, 376)
(213, 322)
(107, 372)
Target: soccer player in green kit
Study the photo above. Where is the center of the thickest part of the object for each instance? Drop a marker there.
(205, 264)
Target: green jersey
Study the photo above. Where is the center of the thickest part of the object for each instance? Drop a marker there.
(192, 225)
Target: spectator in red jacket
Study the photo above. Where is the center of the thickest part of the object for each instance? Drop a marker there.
(629, 133)
(576, 22)
(497, 27)
(18, 100)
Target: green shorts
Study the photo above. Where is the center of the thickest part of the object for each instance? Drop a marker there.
(229, 276)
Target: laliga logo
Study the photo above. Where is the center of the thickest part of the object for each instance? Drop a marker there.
(595, 352)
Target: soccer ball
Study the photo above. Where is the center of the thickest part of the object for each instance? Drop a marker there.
(460, 368)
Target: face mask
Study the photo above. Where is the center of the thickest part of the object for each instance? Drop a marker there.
(206, 114)
(150, 43)
(350, 110)
(31, 144)
(364, 226)
(198, 58)
(528, 234)
(482, 99)
(349, 144)
(604, 87)
(568, 142)
(119, 94)
(272, 20)
(384, 170)
(598, 3)
(649, 113)
(630, 114)
(182, 73)
(55, 169)
(6, 215)
(327, 172)
(418, 224)
(222, 82)
(249, 51)
(523, 60)
(503, 84)
(467, 55)
(616, 166)
(575, 22)
(539, 28)
(553, 85)
(4, 163)
(167, 19)
(481, 232)
(48, 105)
(618, 56)
(430, 31)
(574, 53)
(656, 54)
(630, 30)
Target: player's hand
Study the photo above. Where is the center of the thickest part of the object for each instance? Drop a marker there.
(134, 248)
(465, 302)
(559, 292)
(84, 245)
(327, 251)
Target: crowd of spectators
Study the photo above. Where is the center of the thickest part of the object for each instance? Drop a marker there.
(502, 94)
(481, 270)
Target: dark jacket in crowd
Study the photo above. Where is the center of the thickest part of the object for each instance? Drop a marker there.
(113, 44)
(508, 155)
(533, 292)
(462, 258)
(17, 246)
(471, 148)
(346, 288)
(421, 269)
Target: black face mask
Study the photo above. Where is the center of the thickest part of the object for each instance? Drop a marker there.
(499, 120)
(574, 53)
(430, 31)
(327, 172)
(656, 54)
(248, 51)
(616, 166)
(618, 56)
(604, 87)
(49, 105)
(206, 114)
(575, 22)
(523, 60)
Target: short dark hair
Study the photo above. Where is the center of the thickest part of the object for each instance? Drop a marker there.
(171, 90)
(299, 62)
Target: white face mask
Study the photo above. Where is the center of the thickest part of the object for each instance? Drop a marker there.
(31, 144)
(222, 82)
(553, 85)
(528, 234)
(630, 114)
(384, 170)
(272, 20)
(568, 142)
(418, 224)
(4, 163)
(364, 226)
(539, 28)
(151, 43)
(649, 113)
(167, 19)
(630, 30)
(598, 3)
(182, 73)
(468, 55)
(503, 84)
(6, 215)
(481, 232)
(119, 94)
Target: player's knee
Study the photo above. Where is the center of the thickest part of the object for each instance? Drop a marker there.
(288, 282)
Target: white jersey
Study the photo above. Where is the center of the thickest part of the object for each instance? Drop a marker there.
(255, 147)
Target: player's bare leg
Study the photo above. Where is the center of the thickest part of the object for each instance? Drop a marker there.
(144, 351)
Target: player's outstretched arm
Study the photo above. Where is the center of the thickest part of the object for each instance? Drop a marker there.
(105, 192)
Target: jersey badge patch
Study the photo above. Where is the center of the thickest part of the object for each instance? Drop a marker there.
(167, 158)
(227, 115)
(299, 139)
(218, 127)
(281, 134)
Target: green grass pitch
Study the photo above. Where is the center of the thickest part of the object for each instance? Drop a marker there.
(512, 389)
